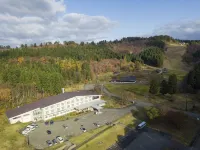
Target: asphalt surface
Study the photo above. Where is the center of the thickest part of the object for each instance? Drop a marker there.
(154, 140)
(39, 137)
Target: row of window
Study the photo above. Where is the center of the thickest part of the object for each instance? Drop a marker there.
(79, 101)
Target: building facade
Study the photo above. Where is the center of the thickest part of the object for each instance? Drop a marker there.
(55, 106)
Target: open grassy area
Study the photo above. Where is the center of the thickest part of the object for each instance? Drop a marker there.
(179, 73)
(118, 89)
(110, 136)
(10, 137)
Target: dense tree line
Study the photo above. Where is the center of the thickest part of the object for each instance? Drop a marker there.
(157, 43)
(165, 87)
(193, 78)
(152, 56)
(87, 52)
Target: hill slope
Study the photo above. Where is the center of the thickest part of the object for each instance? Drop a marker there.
(173, 58)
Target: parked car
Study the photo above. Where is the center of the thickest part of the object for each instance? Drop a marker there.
(48, 132)
(46, 123)
(76, 119)
(49, 143)
(108, 123)
(31, 127)
(97, 125)
(34, 125)
(54, 141)
(65, 126)
(51, 122)
(59, 139)
(83, 129)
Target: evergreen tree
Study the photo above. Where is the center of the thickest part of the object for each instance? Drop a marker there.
(164, 87)
(154, 86)
(172, 84)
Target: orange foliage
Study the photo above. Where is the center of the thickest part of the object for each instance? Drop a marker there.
(5, 94)
(105, 65)
(20, 60)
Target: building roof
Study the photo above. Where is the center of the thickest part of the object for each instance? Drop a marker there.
(47, 101)
(128, 78)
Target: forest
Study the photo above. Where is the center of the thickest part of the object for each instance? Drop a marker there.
(33, 71)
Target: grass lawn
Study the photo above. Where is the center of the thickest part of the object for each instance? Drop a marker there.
(10, 137)
(118, 89)
(109, 137)
(179, 73)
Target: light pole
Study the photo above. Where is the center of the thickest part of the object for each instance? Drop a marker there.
(186, 102)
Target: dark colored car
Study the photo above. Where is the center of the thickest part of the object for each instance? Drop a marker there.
(65, 126)
(46, 123)
(48, 132)
(83, 129)
(76, 119)
(54, 141)
(51, 122)
(97, 125)
(49, 143)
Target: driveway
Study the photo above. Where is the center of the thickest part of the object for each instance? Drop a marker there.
(39, 137)
(154, 140)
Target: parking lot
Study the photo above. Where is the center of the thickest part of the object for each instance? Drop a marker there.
(39, 137)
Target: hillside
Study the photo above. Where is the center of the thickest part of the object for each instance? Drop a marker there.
(174, 58)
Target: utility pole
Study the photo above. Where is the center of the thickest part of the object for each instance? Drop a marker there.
(186, 102)
(101, 89)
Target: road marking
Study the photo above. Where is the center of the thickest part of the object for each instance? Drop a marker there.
(149, 136)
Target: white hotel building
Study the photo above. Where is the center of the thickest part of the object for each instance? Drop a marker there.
(55, 106)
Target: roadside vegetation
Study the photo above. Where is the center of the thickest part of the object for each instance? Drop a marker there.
(178, 124)
(110, 136)
(10, 137)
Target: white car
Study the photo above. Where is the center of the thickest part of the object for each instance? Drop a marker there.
(26, 131)
(31, 127)
(59, 139)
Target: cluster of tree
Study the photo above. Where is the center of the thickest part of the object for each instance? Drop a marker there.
(193, 78)
(157, 43)
(152, 112)
(4, 47)
(164, 87)
(152, 56)
(164, 38)
(87, 52)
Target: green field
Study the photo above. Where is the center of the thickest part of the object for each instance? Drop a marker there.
(138, 89)
(10, 137)
(110, 136)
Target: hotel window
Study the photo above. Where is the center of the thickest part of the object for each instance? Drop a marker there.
(46, 108)
(47, 112)
(68, 106)
(17, 117)
(63, 108)
(58, 105)
(62, 104)
(52, 110)
(95, 97)
(52, 106)
(58, 109)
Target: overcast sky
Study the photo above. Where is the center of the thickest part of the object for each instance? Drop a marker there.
(36, 21)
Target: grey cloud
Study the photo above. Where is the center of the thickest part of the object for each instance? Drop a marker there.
(182, 30)
(30, 21)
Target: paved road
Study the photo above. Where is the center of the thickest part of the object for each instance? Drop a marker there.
(38, 137)
(154, 140)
